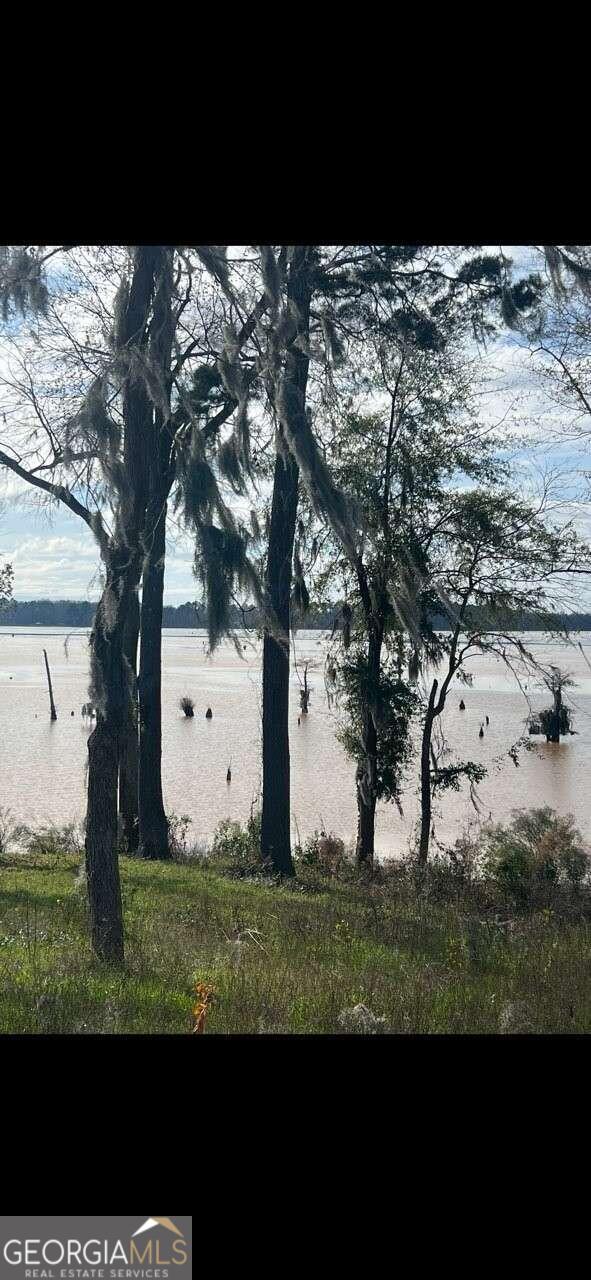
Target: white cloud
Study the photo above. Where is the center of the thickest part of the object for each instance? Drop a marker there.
(59, 565)
(51, 546)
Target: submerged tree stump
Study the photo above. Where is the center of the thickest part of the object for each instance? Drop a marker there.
(51, 702)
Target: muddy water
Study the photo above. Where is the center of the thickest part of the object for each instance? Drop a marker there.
(42, 764)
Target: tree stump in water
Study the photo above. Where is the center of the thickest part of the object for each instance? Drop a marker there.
(51, 702)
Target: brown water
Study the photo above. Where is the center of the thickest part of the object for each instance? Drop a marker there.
(42, 764)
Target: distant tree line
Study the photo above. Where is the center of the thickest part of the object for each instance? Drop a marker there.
(321, 617)
(80, 613)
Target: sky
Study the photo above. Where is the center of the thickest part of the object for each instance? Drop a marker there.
(55, 556)
(59, 560)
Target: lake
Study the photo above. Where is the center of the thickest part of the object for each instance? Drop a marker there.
(42, 764)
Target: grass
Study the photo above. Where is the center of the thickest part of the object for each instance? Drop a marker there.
(285, 959)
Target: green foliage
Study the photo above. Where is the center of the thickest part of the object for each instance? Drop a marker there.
(450, 777)
(178, 827)
(308, 854)
(392, 702)
(239, 845)
(538, 847)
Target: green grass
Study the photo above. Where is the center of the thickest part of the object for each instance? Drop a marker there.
(436, 962)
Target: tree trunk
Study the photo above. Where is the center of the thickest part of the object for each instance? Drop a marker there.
(367, 767)
(366, 810)
(110, 694)
(102, 866)
(129, 756)
(153, 826)
(276, 809)
(53, 711)
(555, 720)
(276, 806)
(426, 777)
(138, 419)
(110, 672)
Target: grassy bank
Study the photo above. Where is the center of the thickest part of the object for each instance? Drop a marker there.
(286, 959)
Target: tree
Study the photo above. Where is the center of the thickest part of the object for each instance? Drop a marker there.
(153, 825)
(275, 336)
(290, 388)
(395, 462)
(561, 339)
(400, 294)
(6, 583)
(558, 333)
(132, 306)
(496, 552)
(89, 435)
(53, 369)
(127, 434)
(187, 447)
(557, 719)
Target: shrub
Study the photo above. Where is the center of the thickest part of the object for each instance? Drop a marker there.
(537, 848)
(309, 854)
(241, 846)
(7, 831)
(178, 825)
(462, 858)
(322, 850)
(52, 839)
